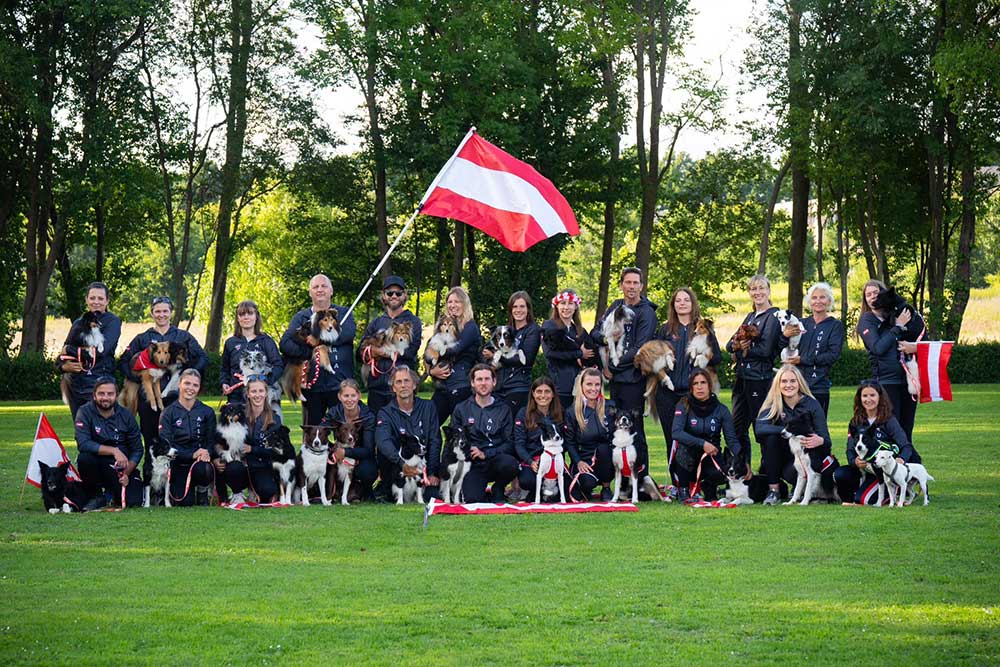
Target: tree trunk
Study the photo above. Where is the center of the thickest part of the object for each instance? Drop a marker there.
(843, 261)
(444, 241)
(765, 236)
(470, 252)
(799, 121)
(74, 303)
(458, 257)
(611, 184)
(966, 243)
(241, 29)
(819, 233)
(865, 239)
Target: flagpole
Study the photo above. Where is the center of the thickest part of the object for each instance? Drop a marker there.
(406, 227)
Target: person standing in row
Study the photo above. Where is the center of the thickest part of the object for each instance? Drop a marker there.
(563, 338)
(820, 345)
(248, 337)
(451, 375)
(394, 297)
(83, 377)
(513, 375)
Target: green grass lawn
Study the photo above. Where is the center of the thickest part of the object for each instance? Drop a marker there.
(368, 585)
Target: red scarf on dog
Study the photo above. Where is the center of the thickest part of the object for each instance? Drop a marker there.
(143, 362)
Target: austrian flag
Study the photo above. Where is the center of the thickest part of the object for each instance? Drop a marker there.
(498, 194)
(932, 360)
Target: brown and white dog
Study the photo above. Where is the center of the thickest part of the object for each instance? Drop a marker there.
(85, 342)
(150, 365)
(312, 461)
(747, 333)
(655, 359)
(444, 340)
(324, 327)
(699, 350)
(346, 435)
(389, 343)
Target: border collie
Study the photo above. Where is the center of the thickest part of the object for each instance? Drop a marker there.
(613, 330)
(59, 493)
(311, 462)
(551, 476)
(408, 489)
(456, 463)
(231, 432)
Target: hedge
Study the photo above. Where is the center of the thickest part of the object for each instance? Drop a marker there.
(34, 377)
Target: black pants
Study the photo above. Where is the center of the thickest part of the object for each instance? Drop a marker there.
(582, 484)
(149, 425)
(904, 408)
(202, 474)
(378, 399)
(748, 396)
(445, 401)
(499, 470)
(824, 402)
(365, 473)
(316, 405)
(710, 479)
(515, 399)
(238, 476)
(75, 401)
(666, 401)
(99, 476)
(527, 478)
(855, 486)
(779, 463)
(629, 396)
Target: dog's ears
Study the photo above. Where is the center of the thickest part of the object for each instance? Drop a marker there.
(42, 466)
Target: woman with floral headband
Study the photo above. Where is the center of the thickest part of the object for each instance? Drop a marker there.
(564, 342)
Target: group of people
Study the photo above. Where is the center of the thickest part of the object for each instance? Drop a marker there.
(500, 408)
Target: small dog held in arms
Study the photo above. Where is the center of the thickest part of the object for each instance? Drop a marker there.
(455, 464)
(655, 359)
(310, 465)
(59, 493)
(551, 476)
(150, 365)
(389, 343)
(231, 432)
(407, 488)
(888, 301)
(85, 342)
(787, 320)
(284, 462)
(345, 436)
(807, 480)
(901, 478)
(623, 457)
(324, 327)
(613, 330)
(745, 335)
(503, 344)
(444, 340)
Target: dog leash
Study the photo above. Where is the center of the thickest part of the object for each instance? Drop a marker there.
(187, 483)
(695, 487)
(79, 358)
(372, 361)
(902, 362)
(306, 384)
(576, 478)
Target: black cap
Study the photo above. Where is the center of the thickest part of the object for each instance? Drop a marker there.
(393, 280)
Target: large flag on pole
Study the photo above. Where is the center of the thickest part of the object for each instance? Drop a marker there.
(498, 194)
(932, 361)
(48, 449)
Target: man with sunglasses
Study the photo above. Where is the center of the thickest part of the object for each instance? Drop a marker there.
(161, 309)
(394, 299)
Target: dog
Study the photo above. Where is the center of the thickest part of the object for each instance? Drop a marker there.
(613, 330)
(504, 346)
(174, 368)
(231, 432)
(738, 491)
(746, 333)
(156, 492)
(150, 365)
(551, 475)
(345, 436)
(807, 480)
(404, 488)
(311, 462)
(442, 343)
(891, 303)
(654, 360)
(456, 463)
(291, 377)
(283, 460)
(389, 343)
(699, 350)
(900, 478)
(786, 319)
(59, 493)
(861, 448)
(72, 353)
(623, 457)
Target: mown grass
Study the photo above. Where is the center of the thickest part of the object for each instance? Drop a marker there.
(369, 585)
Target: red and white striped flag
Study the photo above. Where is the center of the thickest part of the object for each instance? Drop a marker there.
(932, 360)
(49, 450)
(438, 507)
(498, 194)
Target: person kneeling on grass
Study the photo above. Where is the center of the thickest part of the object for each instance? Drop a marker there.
(188, 427)
(588, 438)
(699, 423)
(255, 469)
(873, 424)
(543, 403)
(110, 447)
(351, 409)
(489, 430)
(790, 402)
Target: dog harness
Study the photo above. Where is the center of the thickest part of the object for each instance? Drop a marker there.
(368, 358)
(551, 473)
(79, 357)
(626, 468)
(143, 362)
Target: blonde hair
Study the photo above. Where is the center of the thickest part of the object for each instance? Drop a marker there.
(579, 400)
(463, 296)
(825, 289)
(773, 403)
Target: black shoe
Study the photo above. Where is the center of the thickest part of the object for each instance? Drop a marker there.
(97, 502)
(606, 494)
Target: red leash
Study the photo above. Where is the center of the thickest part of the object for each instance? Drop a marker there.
(306, 384)
(695, 487)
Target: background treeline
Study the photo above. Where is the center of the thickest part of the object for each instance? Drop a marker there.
(176, 147)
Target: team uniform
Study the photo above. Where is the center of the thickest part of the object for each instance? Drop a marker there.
(455, 388)
(234, 349)
(255, 470)
(188, 431)
(694, 423)
(589, 442)
(778, 461)
(363, 453)
(421, 423)
(82, 384)
(563, 364)
(819, 348)
(628, 386)
(321, 395)
(881, 338)
(513, 377)
(528, 448)
(491, 429)
(853, 485)
(754, 371)
(92, 429)
(379, 393)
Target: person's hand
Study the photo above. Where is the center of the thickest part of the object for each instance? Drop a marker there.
(812, 441)
(312, 341)
(441, 372)
(534, 466)
(900, 461)
(72, 367)
(487, 354)
(586, 352)
(433, 480)
(793, 360)
(709, 448)
(220, 465)
(791, 330)
(121, 461)
(904, 317)
(339, 454)
(607, 373)
(477, 453)
(226, 390)
(908, 348)
(582, 467)
(860, 463)
(201, 454)
(247, 449)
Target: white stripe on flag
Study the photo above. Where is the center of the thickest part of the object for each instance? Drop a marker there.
(501, 190)
(934, 370)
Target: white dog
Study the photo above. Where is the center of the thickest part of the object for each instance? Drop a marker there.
(613, 330)
(551, 465)
(807, 480)
(899, 477)
(787, 318)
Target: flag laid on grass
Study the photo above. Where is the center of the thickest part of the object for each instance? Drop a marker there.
(49, 450)
(438, 507)
(932, 360)
(498, 194)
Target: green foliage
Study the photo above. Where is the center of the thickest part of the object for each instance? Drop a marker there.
(27, 378)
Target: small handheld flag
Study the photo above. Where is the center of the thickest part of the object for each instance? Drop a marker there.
(49, 450)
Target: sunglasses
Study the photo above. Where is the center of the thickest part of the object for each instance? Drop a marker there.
(163, 299)
(394, 292)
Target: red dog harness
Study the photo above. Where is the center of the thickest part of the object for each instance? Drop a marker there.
(143, 362)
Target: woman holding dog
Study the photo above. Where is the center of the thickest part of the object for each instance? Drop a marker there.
(753, 359)
(255, 470)
(699, 423)
(821, 344)
(874, 426)
(588, 438)
(513, 376)
(188, 427)
(543, 404)
(681, 326)
(353, 410)
(83, 376)
(452, 376)
(789, 401)
(247, 337)
(882, 334)
(563, 342)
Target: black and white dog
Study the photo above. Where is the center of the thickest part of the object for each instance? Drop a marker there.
(231, 432)
(455, 465)
(59, 493)
(807, 480)
(613, 331)
(551, 476)
(891, 303)
(311, 463)
(504, 345)
(787, 318)
(156, 491)
(738, 491)
(623, 457)
(87, 332)
(409, 488)
(283, 460)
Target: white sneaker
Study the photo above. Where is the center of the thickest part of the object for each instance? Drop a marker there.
(237, 499)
